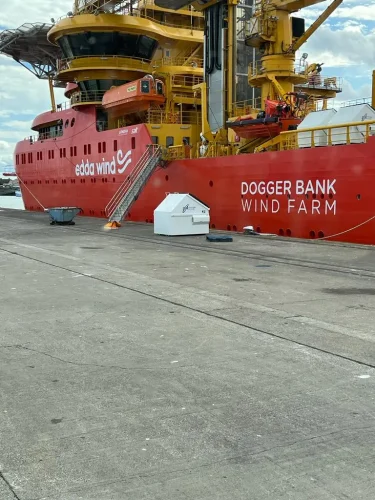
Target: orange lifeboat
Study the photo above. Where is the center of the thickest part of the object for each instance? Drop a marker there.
(135, 96)
(277, 117)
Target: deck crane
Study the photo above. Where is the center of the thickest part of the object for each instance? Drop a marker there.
(272, 30)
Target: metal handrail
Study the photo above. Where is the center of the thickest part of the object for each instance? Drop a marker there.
(133, 62)
(246, 106)
(194, 62)
(135, 12)
(152, 151)
(322, 82)
(181, 118)
(87, 96)
(289, 140)
(356, 102)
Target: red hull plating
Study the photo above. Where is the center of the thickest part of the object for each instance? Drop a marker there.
(310, 193)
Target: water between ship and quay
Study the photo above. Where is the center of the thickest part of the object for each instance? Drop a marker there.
(136, 366)
(13, 202)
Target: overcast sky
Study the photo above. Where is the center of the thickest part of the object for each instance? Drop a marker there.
(345, 43)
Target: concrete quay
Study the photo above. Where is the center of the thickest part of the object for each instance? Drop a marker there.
(139, 367)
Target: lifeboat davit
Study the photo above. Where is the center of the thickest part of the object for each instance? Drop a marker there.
(277, 117)
(135, 96)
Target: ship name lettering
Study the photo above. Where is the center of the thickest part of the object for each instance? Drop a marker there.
(317, 207)
(287, 187)
(325, 186)
(116, 165)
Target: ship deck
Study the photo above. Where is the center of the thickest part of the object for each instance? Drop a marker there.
(142, 367)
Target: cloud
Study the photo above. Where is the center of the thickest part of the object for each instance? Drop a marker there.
(17, 12)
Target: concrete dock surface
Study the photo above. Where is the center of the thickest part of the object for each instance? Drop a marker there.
(135, 366)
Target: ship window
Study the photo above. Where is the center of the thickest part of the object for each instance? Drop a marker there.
(145, 86)
(66, 123)
(85, 149)
(52, 154)
(64, 153)
(99, 147)
(61, 153)
(108, 43)
(89, 149)
(159, 88)
(71, 150)
(72, 122)
(155, 139)
(17, 159)
(186, 140)
(23, 158)
(29, 157)
(169, 141)
(75, 148)
(133, 142)
(115, 145)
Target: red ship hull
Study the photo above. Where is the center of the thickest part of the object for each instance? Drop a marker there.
(322, 192)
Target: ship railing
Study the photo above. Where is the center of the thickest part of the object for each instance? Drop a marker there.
(191, 62)
(87, 97)
(356, 102)
(62, 106)
(42, 136)
(155, 116)
(322, 82)
(118, 61)
(258, 69)
(328, 135)
(176, 152)
(241, 108)
(137, 10)
(106, 6)
(186, 80)
(185, 26)
(214, 149)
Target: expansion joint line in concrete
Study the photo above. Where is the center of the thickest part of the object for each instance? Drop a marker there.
(197, 310)
(9, 486)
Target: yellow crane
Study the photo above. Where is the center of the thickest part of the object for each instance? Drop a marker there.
(274, 32)
(278, 36)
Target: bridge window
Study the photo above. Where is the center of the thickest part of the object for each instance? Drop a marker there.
(169, 141)
(17, 159)
(155, 139)
(104, 147)
(85, 149)
(115, 145)
(99, 147)
(133, 142)
(92, 43)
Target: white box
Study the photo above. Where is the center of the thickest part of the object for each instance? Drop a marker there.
(181, 214)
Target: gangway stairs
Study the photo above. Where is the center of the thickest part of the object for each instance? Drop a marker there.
(130, 189)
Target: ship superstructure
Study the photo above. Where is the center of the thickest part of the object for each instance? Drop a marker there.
(206, 98)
